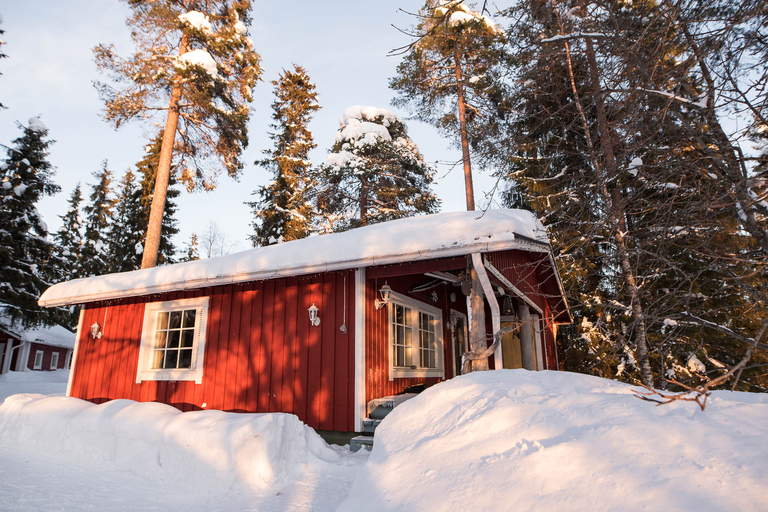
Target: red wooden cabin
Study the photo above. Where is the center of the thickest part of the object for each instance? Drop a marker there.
(301, 327)
(43, 348)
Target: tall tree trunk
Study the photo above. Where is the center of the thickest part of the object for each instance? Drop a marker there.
(618, 219)
(477, 341)
(612, 201)
(468, 186)
(155, 226)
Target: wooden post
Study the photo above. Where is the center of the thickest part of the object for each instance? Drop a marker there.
(477, 341)
(526, 338)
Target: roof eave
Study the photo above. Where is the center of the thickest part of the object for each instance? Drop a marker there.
(518, 243)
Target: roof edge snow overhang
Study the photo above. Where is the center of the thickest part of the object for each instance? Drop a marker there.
(520, 243)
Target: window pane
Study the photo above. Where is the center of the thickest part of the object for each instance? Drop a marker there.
(162, 320)
(175, 320)
(189, 318)
(399, 314)
(408, 357)
(185, 358)
(157, 359)
(173, 338)
(160, 339)
(399, 356)
(170, 358)
(187, 338)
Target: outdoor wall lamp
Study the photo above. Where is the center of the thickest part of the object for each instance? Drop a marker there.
(96, 331)
(313, 318)
(386, 294)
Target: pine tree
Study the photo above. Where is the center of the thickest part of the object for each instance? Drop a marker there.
(195, 65)
(69, 238)
(128, 227)
(448, 76)
(374, 172)
(94, 256)
(27, 261)
(284, 210)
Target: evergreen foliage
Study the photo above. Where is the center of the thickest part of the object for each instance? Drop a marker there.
(450, 76)
(374, 173)
(284, 210)
(69, 239)
(147, 168)
(200, 49)
(192, 252)
(94, 256)
(615, 142)
(28, 263)
(128, 227)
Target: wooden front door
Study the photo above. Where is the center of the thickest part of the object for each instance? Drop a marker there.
(510, 347)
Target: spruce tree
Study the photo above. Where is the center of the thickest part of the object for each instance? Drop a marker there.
(27, 258)
(284, 209)
(128, 227)
(632, 187)
(147, 168)
(195, 66)
(94, 256)
(69, 238)
(374, 172)
(192, 252)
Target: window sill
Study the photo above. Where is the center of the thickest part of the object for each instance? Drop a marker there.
(404, 373)
(171, 375)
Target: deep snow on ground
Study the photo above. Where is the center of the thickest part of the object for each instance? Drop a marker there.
(59, 453)
(45, 383)
(503, 440)
(518, 440)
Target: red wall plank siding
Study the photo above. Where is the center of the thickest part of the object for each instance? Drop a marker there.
(48, 351)
(377, 383)
(261, 354)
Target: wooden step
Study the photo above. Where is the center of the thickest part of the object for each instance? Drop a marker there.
(358, 442)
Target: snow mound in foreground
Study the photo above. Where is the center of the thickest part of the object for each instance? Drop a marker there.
(518, 440)
(207, 449)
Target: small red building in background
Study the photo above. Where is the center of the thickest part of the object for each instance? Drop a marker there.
(43, 348)
(317, 327)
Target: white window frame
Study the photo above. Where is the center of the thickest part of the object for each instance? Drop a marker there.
(195, 371)
(54, 360)
(400, 372)
(38, 364)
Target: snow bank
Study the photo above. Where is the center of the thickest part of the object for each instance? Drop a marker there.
(518, 440)
(205, 449)
(403, 240)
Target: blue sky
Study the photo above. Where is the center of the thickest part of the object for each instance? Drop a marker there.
(343, 45)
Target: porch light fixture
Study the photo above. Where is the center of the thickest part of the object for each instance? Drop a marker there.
(313, 318)
(386, 294)
(96, 331)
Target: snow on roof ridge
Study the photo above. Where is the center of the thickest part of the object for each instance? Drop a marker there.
(55, 335)
(403, 240)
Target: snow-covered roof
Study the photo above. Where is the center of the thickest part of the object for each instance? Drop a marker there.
(403, 240)
(54, 335)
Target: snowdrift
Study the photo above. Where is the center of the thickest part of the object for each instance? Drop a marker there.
(205, 449)
(518, 440)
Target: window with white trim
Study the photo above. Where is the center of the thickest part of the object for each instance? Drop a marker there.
(54, 360)
(173, 340)
(415, 338)
(38, 360)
